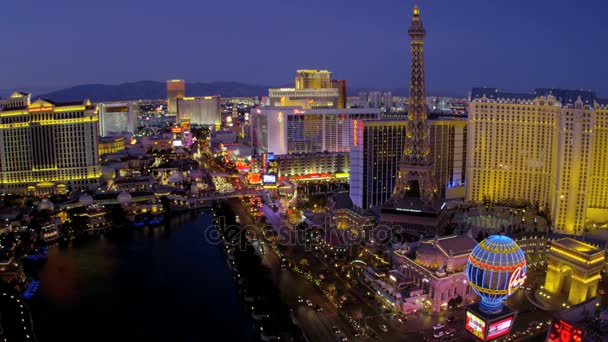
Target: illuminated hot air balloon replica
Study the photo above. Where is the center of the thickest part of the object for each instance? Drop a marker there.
(496, 269)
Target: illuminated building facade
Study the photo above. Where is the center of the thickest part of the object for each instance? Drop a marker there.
(204, 110)
(375, 153)
(546, 149)
(310, 166)
(176, 89)
(29, 162)
(438, 268)
(111, 145)
(15, 100)
(313, 89)
(574, 270)
(117, 117)
(449, 152)
(285, 130)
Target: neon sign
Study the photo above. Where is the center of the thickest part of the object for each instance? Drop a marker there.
(355, 137)
(40, 109)
(564, 332)
(517, 279)
(475, 325)
(500, 328)
(280, 117)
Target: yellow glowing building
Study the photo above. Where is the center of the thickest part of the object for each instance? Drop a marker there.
(313, 89)
(176, 89)
(573, 270)
(546, 149)
(111, 145)
(48, 147)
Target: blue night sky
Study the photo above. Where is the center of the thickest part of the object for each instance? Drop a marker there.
(515, 45)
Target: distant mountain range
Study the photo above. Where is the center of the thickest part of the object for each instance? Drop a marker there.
(150, 90)
(157, 90)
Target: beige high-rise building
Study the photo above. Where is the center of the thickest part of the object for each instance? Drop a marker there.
(314, 89)
(48, 147)
(448, 136)
(176, 89)
(546, 149)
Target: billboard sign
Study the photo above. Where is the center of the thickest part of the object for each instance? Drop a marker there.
(475, 325)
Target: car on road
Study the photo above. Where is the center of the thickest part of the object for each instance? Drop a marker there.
(438, 334)
(602, 291)
(450, 332)
(300, 299)
(318, 308)
(343, 338)
(451, 319)
(336, 330)
(383, 327)
(438, 326)
(309, 303)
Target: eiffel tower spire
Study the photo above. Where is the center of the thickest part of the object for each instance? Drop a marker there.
(416, 169)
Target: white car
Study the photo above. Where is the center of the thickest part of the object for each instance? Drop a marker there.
(438, 326)
(383, 328)
(438, 334)
(309, 303)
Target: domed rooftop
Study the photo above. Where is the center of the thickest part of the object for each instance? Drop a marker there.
(124, 197)
(45, 204)
(176, 177)
(430, 256)
(86, 200)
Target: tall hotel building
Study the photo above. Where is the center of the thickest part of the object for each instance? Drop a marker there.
(115, 117)
(376, 148)
(48, 147)
(287, 130)
(306, 141)
(547, 149)
(203, 110)
(449, 152)
(176, 89)
(314, 89)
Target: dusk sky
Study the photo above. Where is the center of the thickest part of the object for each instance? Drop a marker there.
(515, 45)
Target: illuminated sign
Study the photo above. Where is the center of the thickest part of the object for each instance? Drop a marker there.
(176, 129)
(564, 332)
(355, 137)
(517, 279)
(264, 162)
(269, 179)
(500, 328)
(40, 109)
(177, 143)
(280, 117)
(475, 325)
(254, 178)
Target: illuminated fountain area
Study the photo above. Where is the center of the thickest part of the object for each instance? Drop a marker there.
(497, 219)
(487, 222)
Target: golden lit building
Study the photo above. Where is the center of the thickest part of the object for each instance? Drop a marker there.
(176, 89)
(111, 145)
(574, 269)
(46, 147)
(313, 89)
(545, 149)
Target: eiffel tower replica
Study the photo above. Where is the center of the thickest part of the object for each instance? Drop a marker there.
(414, 205)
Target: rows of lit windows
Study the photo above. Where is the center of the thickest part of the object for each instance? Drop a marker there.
(514, 155)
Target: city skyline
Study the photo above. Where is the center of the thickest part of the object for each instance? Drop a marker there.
(475, 44)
